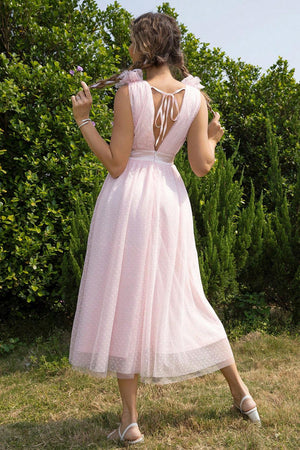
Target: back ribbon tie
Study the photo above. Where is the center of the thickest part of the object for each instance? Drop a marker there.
(168, 103)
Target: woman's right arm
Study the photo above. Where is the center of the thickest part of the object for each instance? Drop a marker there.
(202, 139)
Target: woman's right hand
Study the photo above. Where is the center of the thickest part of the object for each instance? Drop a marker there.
(215, 131)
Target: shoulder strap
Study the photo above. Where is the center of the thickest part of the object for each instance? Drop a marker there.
(129, 76)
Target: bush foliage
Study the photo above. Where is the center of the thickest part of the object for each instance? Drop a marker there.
(246, 210)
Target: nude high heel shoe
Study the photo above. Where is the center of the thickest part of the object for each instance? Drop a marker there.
(252, 413)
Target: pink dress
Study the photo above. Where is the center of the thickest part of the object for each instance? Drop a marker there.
(141, 306)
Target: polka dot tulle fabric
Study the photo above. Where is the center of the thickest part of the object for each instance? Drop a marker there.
(141, 307)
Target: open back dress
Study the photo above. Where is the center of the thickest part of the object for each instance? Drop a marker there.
(141, 307)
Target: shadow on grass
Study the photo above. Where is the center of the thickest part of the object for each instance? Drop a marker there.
(91, 432)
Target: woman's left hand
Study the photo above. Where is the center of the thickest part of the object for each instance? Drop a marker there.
(82, 103)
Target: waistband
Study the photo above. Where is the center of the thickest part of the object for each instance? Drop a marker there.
(152, 155)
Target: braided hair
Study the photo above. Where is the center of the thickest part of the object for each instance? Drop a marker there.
(156, 37)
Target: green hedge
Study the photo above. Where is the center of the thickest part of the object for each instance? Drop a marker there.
(246, 210)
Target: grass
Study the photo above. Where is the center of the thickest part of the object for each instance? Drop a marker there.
(45, 404)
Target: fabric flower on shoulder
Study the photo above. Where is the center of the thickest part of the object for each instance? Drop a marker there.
(129, 76)
(193, 81)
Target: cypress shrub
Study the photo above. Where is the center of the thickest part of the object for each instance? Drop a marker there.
(73, 259)
(281, 237)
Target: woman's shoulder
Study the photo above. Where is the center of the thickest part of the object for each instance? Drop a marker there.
(136, 75)
(190, 80)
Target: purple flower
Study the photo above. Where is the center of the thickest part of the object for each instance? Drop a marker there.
(93, 123)
(79, 69)
(71, 72)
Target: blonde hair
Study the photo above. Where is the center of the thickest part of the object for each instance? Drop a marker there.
(156, 38)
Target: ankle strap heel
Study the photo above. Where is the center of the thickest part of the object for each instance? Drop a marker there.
(252, 413)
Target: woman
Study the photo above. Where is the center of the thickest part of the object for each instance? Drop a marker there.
(141, 308)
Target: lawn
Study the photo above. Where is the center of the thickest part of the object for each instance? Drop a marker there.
(45, 404)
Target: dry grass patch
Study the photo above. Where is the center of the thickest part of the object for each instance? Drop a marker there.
(45, 404)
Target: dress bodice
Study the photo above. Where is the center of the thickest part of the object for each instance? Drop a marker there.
(144, 117)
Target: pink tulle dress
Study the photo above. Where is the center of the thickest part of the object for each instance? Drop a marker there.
(141, 306)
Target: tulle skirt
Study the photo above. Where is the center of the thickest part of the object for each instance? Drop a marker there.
(141, 307)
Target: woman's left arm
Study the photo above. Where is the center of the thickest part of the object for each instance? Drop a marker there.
(114, 156)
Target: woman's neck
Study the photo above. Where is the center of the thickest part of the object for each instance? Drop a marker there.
(163, 72)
